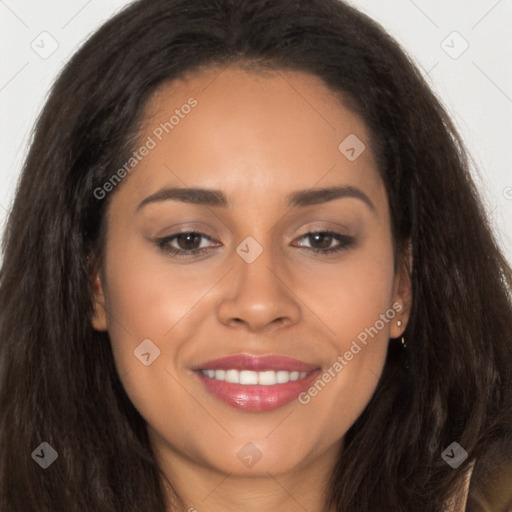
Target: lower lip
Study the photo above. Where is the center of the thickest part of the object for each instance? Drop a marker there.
(254, 397)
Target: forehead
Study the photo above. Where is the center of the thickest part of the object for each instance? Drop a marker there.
(250, 131)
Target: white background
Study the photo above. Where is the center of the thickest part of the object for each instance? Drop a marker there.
(475, 87)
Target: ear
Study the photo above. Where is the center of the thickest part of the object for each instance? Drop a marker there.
(402, 292)
(99, 318)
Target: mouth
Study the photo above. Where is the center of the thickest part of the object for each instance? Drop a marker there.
(256, 383)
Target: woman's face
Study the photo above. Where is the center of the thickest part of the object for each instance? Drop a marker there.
(305, 332)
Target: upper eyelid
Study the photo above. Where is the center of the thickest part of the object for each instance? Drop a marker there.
(201, 230)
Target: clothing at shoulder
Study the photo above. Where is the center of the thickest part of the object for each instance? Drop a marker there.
(458, 501)
(487, 484)
(491, 482)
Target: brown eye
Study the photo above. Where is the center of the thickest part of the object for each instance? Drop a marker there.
(189, 241)
(183, 244)
(321, 241)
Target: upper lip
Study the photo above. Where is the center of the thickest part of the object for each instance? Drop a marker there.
(256, 363)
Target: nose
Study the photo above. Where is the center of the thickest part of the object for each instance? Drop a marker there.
(259, 296)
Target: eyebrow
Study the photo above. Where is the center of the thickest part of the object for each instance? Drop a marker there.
(211, 197)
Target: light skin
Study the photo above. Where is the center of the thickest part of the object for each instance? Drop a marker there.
(257, 139)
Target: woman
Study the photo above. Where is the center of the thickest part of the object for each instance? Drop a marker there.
(247, 268)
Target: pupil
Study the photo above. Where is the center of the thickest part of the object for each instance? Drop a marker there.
(187, 237)
(325, 238)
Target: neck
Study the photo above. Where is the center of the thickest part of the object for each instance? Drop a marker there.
(201, 488)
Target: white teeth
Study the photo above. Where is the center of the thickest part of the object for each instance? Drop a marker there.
(248, 377)
(219, 374)
(268, 378)
(282, 377)
(232, 376)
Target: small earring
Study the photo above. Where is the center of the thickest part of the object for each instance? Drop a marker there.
(399, 323)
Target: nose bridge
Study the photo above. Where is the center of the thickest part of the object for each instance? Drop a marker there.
(258, 292)
(258, 264)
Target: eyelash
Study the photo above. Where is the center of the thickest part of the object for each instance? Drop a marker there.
(163, 243)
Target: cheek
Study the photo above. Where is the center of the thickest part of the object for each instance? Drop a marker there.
(350, 296)
(147, 299)
(355, 306)
(146, 302)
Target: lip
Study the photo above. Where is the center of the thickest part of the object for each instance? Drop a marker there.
(257, 398)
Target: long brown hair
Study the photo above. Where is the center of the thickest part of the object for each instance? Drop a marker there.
(58, 383)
